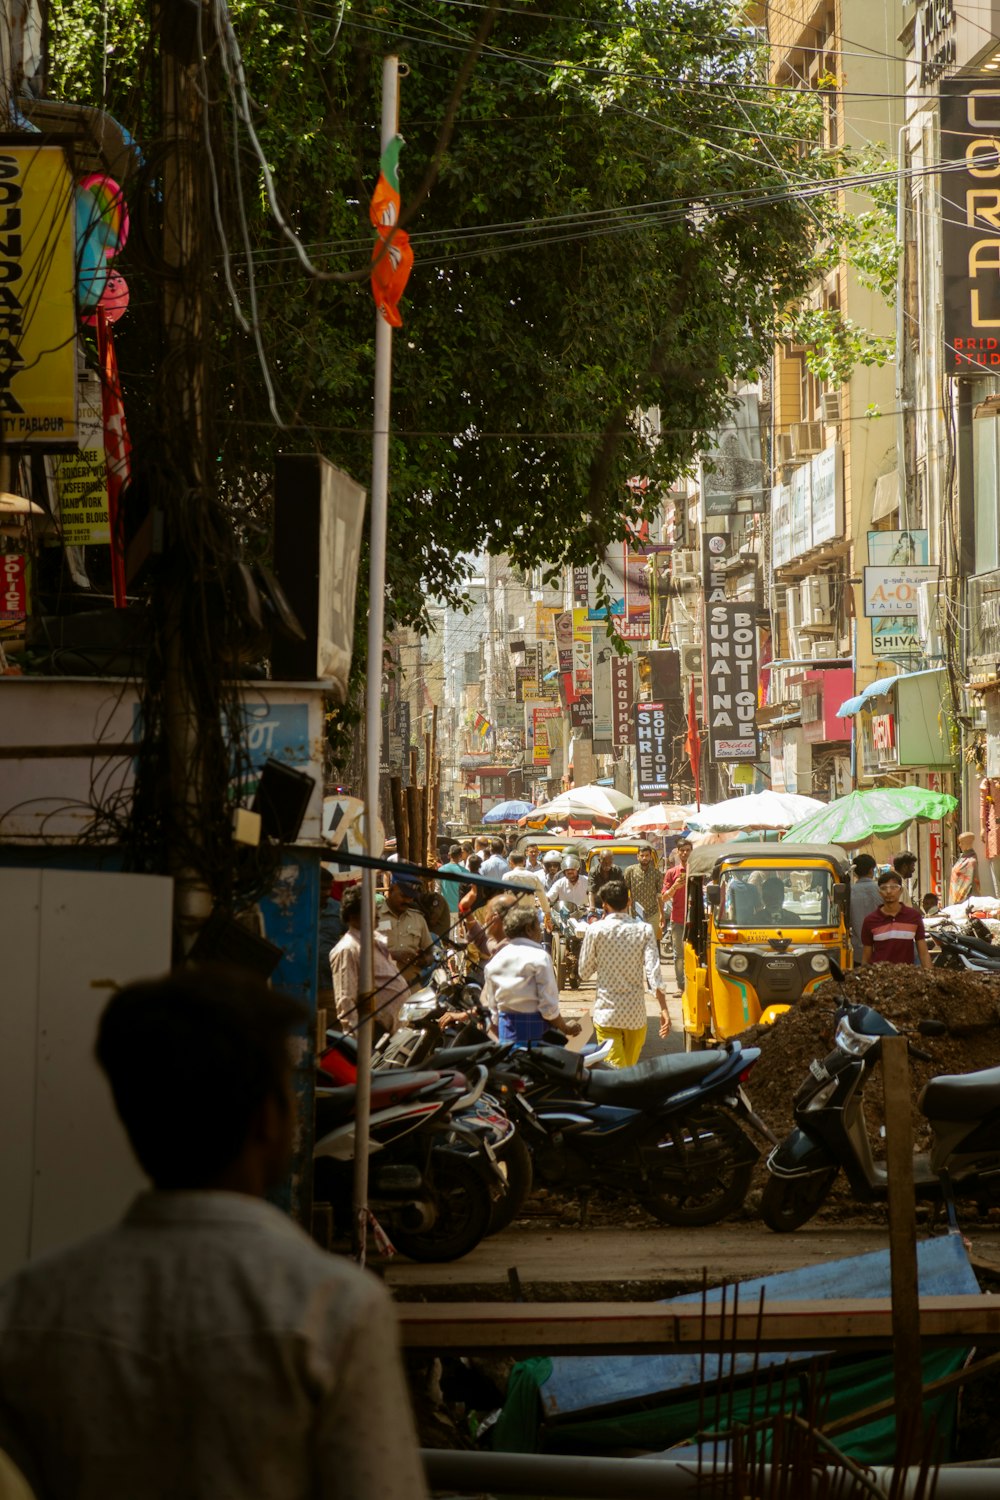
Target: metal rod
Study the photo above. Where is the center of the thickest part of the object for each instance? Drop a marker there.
(373, 704)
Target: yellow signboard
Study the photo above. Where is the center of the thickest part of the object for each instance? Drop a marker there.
(82, 484)
(37, 298)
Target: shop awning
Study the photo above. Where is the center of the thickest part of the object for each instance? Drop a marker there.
(878, 689)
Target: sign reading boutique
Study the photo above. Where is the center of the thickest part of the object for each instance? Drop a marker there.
(970, 224)
(652, 749)
(730, 664)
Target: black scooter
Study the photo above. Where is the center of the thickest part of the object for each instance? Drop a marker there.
(830, 1133)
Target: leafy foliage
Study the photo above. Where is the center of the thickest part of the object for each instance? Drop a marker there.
(618, 222)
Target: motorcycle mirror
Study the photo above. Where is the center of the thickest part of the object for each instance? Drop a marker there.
(712, 894)
(836, 971)
(931, 1028)
(840, 895)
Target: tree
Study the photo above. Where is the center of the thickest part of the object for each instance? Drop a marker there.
(619, 220)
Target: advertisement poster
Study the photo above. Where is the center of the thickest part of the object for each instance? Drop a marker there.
(38, 384)
(582, 703)
(622, 697)
(636, 620)
(82, 483)
(602, 652)
(732, 475)
(581, 587)
(653, 750)
(731, 681)
(896, 637)
(541, 753)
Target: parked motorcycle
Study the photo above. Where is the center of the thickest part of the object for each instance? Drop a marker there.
(433, 1175)
(955, 950)
(830, 1135)
(667, 1132)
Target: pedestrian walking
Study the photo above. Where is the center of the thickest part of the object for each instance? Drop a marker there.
(620, 953)
(673, 894)
(520, 987)
(642, 882)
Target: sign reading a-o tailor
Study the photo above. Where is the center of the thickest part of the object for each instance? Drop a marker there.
(652, 749)
(731, 681)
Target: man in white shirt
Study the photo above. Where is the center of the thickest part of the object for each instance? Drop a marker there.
(206, 1346)
(621, 952)
(519, 874)
(531, 861)
(520, 988)
(391, 989)
(551, 867)
(571, 888)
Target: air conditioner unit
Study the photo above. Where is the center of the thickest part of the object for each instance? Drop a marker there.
(793, 609)
(824, 650)
(683, 635)
(816, 600)
(691, 661)
(830, 407)
(807, 439)
(687, 580)
(783, 454)
(684, 561)
(931, 618)
(799, 646)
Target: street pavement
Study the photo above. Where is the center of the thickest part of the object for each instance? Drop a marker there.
(576, 1005)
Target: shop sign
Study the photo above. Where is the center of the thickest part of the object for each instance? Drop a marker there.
(781, 525)
(884, 735)
(934, 45)
(602, 651)
(38, 384)
(541, 718)
(581, 586)
(732, 473)
(653, 755)
(731, 682)
(801, 509)
(809, 511)
(827, 486)
(970, 224)
(893, 591)
(896, 639)
(82, 482)
(14, 586)
(524, 683)
(621, 699)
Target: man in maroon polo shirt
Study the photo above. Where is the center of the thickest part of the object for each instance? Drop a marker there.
(889, 933)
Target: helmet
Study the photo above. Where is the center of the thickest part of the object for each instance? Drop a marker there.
(571, 861)
(552, 857)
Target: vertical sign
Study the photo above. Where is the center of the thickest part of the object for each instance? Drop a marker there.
(581, 587)
(601, 653)
(38, 343)
(653, 751)
(13, 586)
(731, 682)
(582, 705)
(542, 717)
(622, 694)
(970, 233)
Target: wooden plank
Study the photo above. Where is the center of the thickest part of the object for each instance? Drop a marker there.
(626, 1328)
(902, 1248)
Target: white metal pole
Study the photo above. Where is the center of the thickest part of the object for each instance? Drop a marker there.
(373, 703)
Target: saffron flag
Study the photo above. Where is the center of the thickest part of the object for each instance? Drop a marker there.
(117, 449)
(692, 745)
(390, 267)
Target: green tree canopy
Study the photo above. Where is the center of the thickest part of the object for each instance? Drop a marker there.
(621, 214)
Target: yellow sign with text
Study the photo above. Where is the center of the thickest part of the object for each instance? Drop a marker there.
(37, 298)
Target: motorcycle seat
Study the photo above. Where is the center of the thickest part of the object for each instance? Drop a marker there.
(961, 1096)
(388, 1088)
(464, 1057)
(975, 945)
(651, 1080)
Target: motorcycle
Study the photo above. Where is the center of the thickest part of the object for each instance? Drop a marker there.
(569, 930)
(665, 1132)
(830, 1134)
(434, 1177)
(956, 950)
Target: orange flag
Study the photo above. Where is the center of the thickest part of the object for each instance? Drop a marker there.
(390, 268)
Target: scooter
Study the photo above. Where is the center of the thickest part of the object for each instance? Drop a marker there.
(434, 1176)
(570, 930)
(830, 1134)
(956, 950)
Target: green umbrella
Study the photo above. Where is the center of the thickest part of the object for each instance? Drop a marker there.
(861, 816)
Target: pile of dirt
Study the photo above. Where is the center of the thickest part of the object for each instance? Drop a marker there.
(968, 1005)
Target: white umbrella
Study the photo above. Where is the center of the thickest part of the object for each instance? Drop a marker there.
(758, 810)
(584, 802)
(658, 819)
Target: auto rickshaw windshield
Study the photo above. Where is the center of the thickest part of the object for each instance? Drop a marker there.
(769, 897)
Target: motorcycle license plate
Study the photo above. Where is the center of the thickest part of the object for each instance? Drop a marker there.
(818, 1071)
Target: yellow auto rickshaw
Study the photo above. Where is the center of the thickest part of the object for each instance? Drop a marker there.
(763, 922)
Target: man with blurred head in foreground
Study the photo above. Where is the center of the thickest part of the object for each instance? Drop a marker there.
(205, 1346)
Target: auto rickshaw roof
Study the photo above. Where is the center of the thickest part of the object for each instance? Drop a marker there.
(708, 859)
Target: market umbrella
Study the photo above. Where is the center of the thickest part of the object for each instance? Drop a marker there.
(659, 819)
(507, 812)
(879, 812)
(758, 810)
(586, 801)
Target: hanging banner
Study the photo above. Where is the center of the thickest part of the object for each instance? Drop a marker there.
(37, 298)
(581, 587)
(732, 472)
(541, 718)
(582, 703)
(601, 653)
(636, 622)
(653, 750)
(82, 482)
(13, 586)
(731, 681)
(621, 699)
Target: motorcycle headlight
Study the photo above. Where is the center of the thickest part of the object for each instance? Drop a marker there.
(822, 1098)
(418, 1010)
(854, 1042)
(739, 963)
(819, 963)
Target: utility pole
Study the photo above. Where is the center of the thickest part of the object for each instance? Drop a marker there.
(373, 704)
